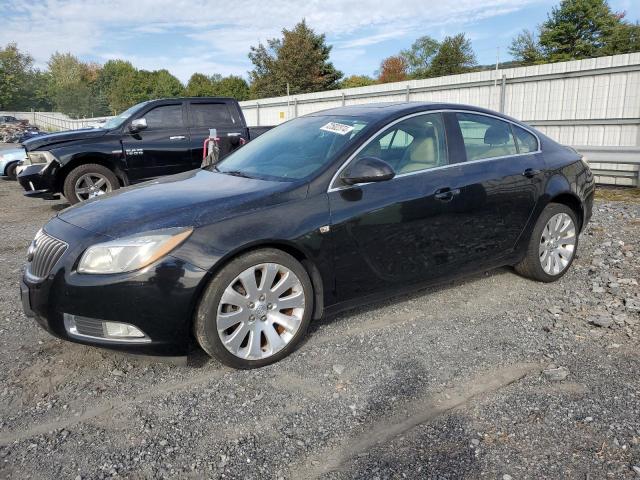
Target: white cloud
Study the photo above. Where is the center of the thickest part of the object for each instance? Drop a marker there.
(218, 34)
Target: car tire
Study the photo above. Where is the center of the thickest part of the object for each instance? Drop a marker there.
(10, 171)
(550, 254)
(79, 179)
(215, 312)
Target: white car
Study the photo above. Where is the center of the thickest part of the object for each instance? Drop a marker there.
(10, 157)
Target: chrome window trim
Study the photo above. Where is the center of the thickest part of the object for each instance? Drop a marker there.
(426, 112)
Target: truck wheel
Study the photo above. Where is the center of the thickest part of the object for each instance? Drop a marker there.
(88, 181)
(11, 171)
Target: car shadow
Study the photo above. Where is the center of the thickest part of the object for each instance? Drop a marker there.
(400, 298)
(58, 207)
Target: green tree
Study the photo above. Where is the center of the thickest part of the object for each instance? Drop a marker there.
(525, 48)
(72, 84)
(199, 85)
(232, 86)
(15, 72)
(107, 89)
(300, 58)
(357, 81)
(165, 85)
(454, 56)
(420, 55)
(625, 38)
(577, 29)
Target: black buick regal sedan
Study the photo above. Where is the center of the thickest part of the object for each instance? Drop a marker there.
(324, 212)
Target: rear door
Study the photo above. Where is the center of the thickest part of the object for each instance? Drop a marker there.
(162, 148)
(224, 117)
(496, 186)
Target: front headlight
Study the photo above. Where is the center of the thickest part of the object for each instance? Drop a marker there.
(131, 253)
(40, 157)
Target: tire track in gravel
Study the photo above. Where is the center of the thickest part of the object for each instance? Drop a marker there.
(421, 411)
(16, 436)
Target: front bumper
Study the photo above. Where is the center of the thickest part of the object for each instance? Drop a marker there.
(38, 180)
(159, 300)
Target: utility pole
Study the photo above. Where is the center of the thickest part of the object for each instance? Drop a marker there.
(288, 103)
(495, 82)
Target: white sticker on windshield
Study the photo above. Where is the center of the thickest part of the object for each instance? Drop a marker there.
(339, 128)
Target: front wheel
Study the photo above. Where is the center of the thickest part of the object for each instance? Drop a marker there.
(11, 171)
(256, 310)
(89, 181)
(552, 246)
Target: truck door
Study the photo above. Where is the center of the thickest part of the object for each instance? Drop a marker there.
(206, 114)
(162, 148)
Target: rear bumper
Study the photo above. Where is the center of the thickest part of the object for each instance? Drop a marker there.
(38, 181)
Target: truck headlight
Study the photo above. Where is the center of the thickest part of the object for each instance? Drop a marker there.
(40, 157)
(131, 253)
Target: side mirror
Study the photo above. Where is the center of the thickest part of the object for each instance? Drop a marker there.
(137, 125)
(367, 169)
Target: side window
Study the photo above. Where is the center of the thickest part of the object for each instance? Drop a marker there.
(417, 143)
(485, 137)
(211, 115)
(167, 116)
(526, 141)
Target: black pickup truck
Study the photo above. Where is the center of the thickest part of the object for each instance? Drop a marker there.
(149, 140)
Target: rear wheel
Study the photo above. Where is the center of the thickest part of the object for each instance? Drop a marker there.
(89, 181)
(552, 246)
(256, 310)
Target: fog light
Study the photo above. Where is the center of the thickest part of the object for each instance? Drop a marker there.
(114, 329)
(86, 327)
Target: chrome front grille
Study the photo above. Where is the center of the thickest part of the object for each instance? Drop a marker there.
(44, 253)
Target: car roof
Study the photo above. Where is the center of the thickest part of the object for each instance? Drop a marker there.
(382, 110)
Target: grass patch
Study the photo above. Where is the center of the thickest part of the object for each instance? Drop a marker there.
(617, 194)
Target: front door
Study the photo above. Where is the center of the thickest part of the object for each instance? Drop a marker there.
(389, 234)
(160, 149)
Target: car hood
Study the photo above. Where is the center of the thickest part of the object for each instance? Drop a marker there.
(194, 198)
(50, 139)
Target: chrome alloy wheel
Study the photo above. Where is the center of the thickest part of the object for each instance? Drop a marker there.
(557, 244)
(92, 185)
(260, 311)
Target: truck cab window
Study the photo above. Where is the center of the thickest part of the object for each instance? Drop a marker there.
(166, 116)
(211, 115)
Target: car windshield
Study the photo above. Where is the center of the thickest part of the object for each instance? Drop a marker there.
(294, 150)
(118, 120)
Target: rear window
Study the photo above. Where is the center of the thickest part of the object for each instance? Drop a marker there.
(526, 141)
(485, 137)
(211, 115)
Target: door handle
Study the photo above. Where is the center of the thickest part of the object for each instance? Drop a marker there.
(531, 172)
(446, 194)
(177, 137)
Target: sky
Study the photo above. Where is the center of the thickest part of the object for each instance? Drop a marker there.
(210, 36)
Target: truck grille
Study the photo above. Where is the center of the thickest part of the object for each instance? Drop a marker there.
(44, 252)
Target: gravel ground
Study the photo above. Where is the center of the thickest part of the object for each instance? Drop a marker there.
(492, 377)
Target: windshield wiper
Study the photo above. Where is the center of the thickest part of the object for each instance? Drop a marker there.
(235, 173)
